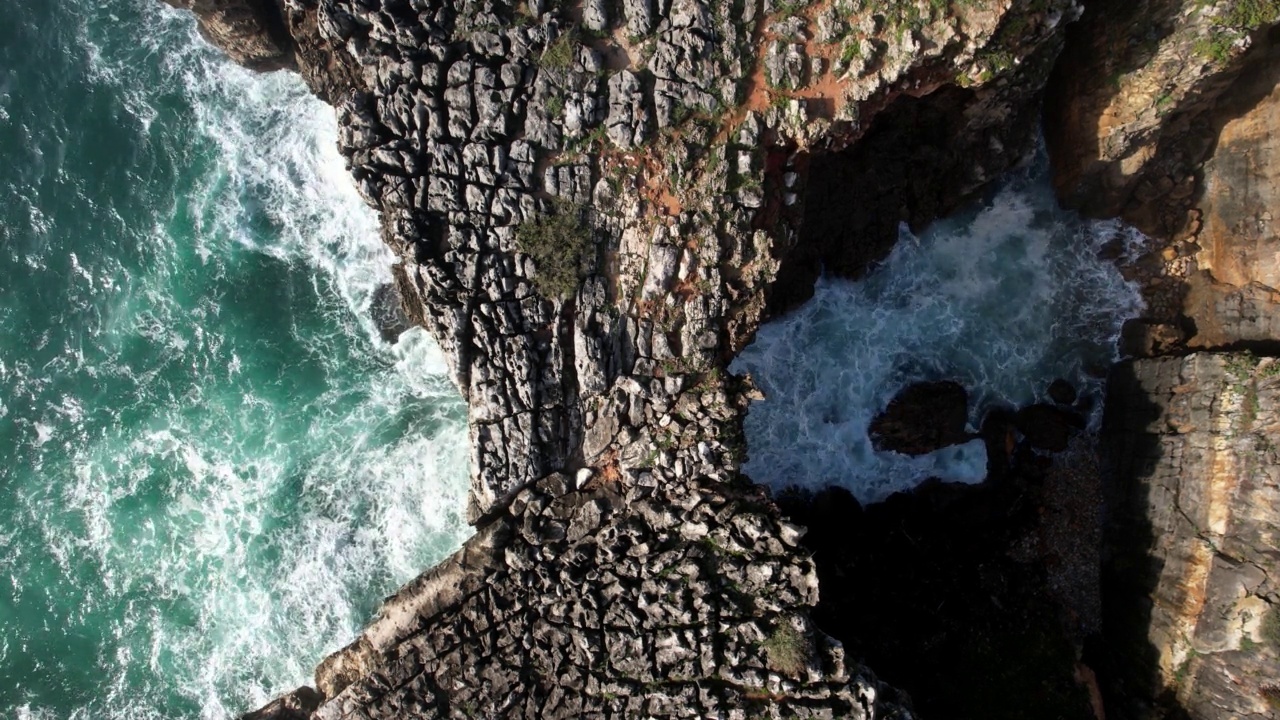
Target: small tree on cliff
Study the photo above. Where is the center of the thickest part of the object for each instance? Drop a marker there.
(561, 245)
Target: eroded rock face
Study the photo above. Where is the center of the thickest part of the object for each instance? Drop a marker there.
(1234, 294)
(1125, 100)
(1161, 112)
(252, 32)
(1192, 589)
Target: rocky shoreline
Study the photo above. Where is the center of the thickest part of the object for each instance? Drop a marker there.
(595, 205)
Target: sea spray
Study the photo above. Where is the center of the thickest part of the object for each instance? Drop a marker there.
(1003, 298)
(213, 470)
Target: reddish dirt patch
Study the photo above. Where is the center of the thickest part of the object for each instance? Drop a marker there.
(658, 191)
(825, 94)
(646, 175)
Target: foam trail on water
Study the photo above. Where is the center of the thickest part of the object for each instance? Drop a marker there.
(1002, 299)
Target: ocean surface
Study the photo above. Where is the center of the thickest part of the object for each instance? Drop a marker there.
(211, 468)
(1003, 297)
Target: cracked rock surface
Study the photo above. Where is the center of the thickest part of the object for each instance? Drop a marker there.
(622, 566)
(1193, 579)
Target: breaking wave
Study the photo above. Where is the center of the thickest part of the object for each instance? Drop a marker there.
(1002, 298)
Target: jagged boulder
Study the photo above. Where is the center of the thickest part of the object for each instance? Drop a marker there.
(387, 311)
(252, 32)
(297, 705)
(922, 418)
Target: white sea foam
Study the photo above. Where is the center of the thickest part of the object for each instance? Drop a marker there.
(1003, 300)
(239, 537)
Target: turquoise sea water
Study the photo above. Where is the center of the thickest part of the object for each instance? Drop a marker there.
(211, 469)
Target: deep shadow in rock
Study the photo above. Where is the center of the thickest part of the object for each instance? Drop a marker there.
(983, 602)
(1127, 662)
(945, 592)
(919, 160)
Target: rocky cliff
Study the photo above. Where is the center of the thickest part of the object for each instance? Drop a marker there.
(596, 203)
(1193, 583)
(592, 203)
(1162, 112)
(1175, 131)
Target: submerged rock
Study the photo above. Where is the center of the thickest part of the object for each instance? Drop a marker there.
(922, 418)
(1062, 392)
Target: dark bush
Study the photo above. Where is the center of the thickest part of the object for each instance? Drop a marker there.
(560, 243)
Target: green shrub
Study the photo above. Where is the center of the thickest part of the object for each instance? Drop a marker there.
(1251, 14)
(560, 53)
(787, 650)
(561, 246)
(1240, 18)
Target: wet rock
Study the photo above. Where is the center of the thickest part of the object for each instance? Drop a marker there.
(1062, 392)
(1047, 427)
(252, 32)
(387, 311)
(297, 705)
(922, 418)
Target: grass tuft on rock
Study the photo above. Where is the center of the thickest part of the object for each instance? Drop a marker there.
(1271, 627)
(561, 246)
(1237, 19)
(559, 55)
(787, 650)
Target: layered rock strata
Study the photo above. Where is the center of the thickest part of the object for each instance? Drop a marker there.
(592, 203)
(1193, 580)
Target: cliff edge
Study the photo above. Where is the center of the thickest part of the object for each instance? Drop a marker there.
(595, 204)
